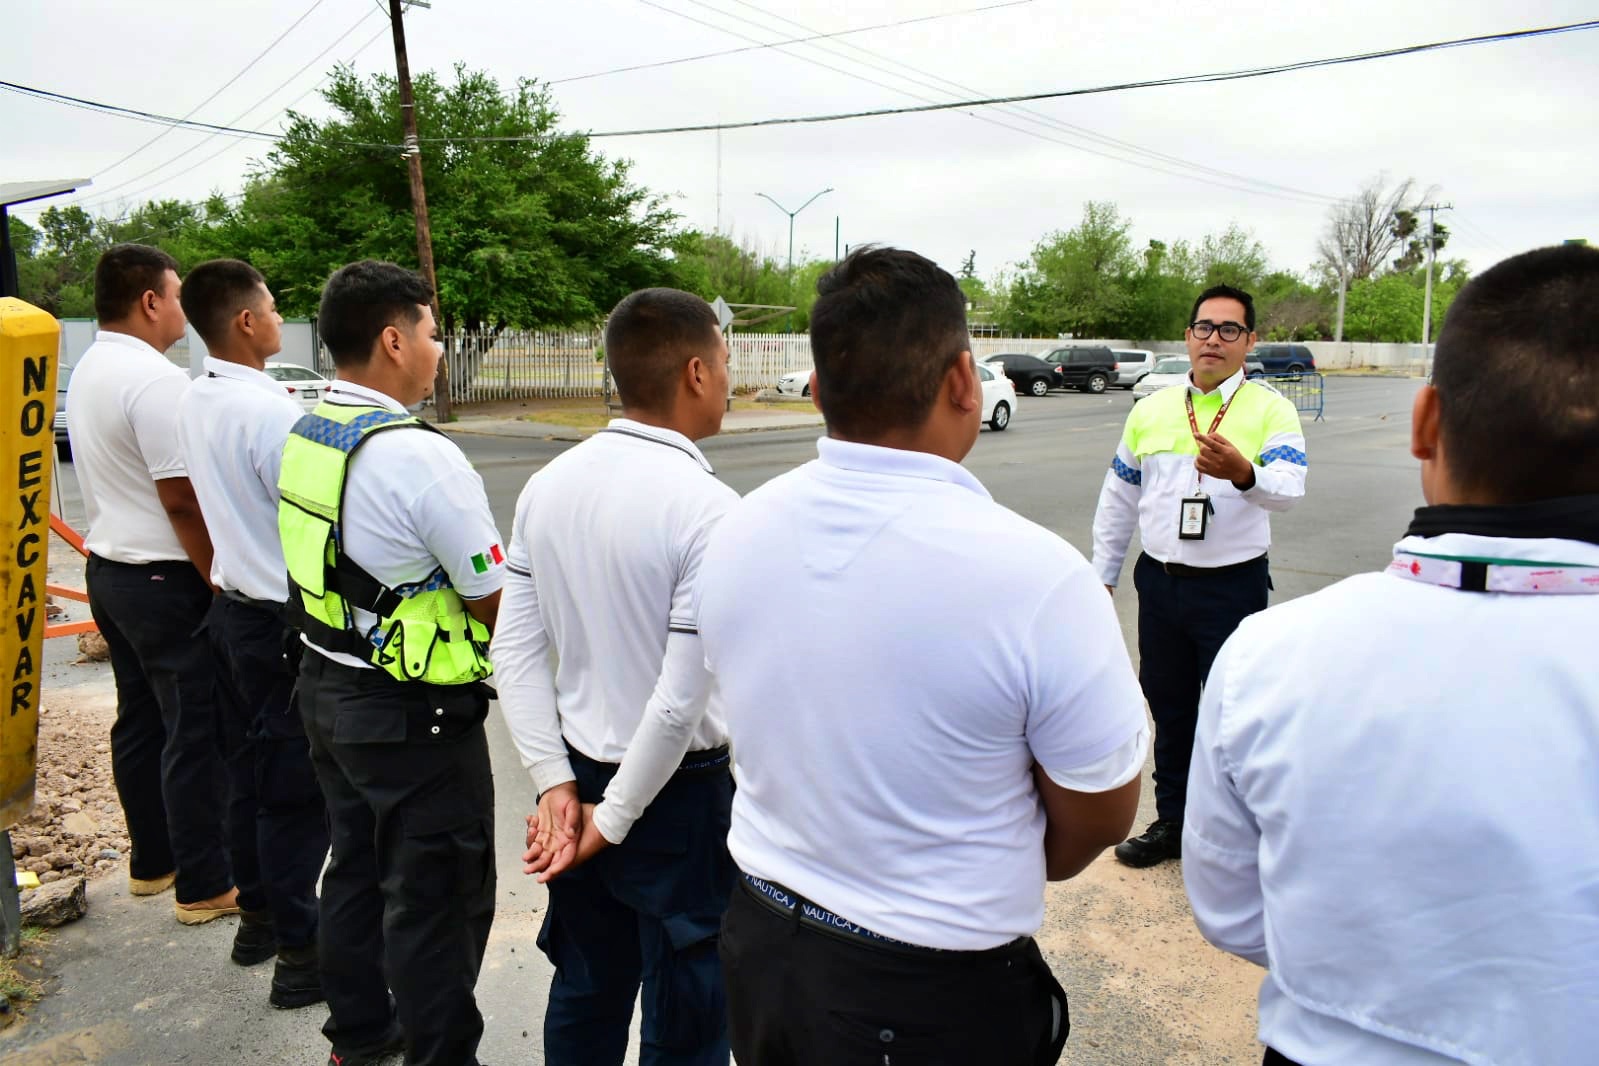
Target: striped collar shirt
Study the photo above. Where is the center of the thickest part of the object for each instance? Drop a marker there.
(604, 555)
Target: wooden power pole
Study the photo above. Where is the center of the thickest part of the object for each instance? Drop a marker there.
(419, 199)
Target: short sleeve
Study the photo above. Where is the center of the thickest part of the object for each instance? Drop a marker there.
(153, 415)
(453, 520)
(1084, 703)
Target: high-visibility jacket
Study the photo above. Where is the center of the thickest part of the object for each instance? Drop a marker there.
(423, 631)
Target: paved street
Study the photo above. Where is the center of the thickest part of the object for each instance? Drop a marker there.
(136, 988)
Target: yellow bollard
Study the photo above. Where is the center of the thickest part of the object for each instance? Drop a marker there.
(29, 351)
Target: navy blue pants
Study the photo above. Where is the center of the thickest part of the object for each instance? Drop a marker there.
(166, 756)
(277, 821)
(1182, 624)
(647, 911)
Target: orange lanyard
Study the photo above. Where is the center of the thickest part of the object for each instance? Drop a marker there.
(1188, 398)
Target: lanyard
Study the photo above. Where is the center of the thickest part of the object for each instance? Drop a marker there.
(1488, 575)
(1188, 398)
(1193, 424)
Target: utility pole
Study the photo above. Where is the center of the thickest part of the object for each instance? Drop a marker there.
(791, 215)
(1343, 290)
(1426, 300)
(419, 196)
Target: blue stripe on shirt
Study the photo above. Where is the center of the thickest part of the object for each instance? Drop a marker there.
(1292, 455)
(1132, 476)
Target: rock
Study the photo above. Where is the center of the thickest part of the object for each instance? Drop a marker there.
(50, 875)
(108, 854)
(56, 903)
(79, 823)
(92, 648)
(40, 866)
(71, 806)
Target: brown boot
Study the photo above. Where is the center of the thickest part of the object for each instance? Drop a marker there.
(138, 886)
(205, 910)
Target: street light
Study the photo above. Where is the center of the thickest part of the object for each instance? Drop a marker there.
(791, 215)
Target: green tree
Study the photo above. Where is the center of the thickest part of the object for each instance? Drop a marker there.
(1077, 281)
(1162, 292)
(1386, 308)
(1232, 257)
(531, 227)
(1288, 308)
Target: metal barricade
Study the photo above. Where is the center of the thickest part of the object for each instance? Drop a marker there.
(1303, 389)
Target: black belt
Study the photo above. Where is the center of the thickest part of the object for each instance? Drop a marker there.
(781, 901)
(270, 606)
(1184, 570)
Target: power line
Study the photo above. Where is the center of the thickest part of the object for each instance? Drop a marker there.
(128, 112)
(247, 67)
(813, 36)
(99, 195)
(1187, 79)
(1032, 115)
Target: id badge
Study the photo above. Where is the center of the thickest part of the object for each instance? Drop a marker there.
(1195, 514)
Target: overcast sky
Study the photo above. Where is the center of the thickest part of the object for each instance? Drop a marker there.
(1509, 133)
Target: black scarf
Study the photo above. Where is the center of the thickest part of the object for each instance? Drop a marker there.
(1564, 518)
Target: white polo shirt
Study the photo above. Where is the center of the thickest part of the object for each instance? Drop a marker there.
(895, 651)
(1153, 469)
(122, 405)
(605, 552)
(232, 423)
(1403, 825)
(413, 504)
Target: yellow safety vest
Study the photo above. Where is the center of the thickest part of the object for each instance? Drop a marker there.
(423, 631)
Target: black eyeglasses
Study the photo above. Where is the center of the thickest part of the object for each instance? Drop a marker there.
(1230, 331)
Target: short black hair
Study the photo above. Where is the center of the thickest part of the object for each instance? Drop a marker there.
(216, 291)
(1229, 292)
(363, 299)
(124, 274)
(1517, 374)
(886, 327)
(649, 337)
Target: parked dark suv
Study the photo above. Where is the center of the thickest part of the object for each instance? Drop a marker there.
(1030, 374)
(1284, 358)
(1084, 367)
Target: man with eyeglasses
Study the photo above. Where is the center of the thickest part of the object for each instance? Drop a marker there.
(1199, 468)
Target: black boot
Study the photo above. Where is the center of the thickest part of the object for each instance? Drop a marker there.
(374, 1055)
(255, 940)
(1161, 841)
(296, 979)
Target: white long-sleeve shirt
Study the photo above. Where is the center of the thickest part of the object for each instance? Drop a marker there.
(1153, 470)
(605, 550)
(1402, 824)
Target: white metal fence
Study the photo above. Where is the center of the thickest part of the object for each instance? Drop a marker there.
(557, 364)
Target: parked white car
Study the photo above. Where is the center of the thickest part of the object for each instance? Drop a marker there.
(306, 386)
(797, 383)
(999, 397)
(1132, 365)
(1168, 370)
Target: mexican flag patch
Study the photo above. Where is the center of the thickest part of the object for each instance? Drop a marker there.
(482, 561)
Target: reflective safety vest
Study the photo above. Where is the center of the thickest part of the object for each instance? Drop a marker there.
(423, 631)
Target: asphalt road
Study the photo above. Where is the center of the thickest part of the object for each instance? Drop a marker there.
(135, 987)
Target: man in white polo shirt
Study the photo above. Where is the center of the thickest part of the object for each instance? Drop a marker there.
(930, 705)
(232, 424)
(394, 579)
(1403, 830)
(632, 770)
(149, 555)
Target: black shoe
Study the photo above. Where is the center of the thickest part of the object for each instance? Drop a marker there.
(296, 979)
(378, 1053)
(255, 940)
(1161, 841)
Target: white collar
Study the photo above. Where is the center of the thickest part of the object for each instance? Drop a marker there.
(364, 396)
(128, 340)
(896, 462)
(222, 368)
(661, 435)
(1226, 388)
